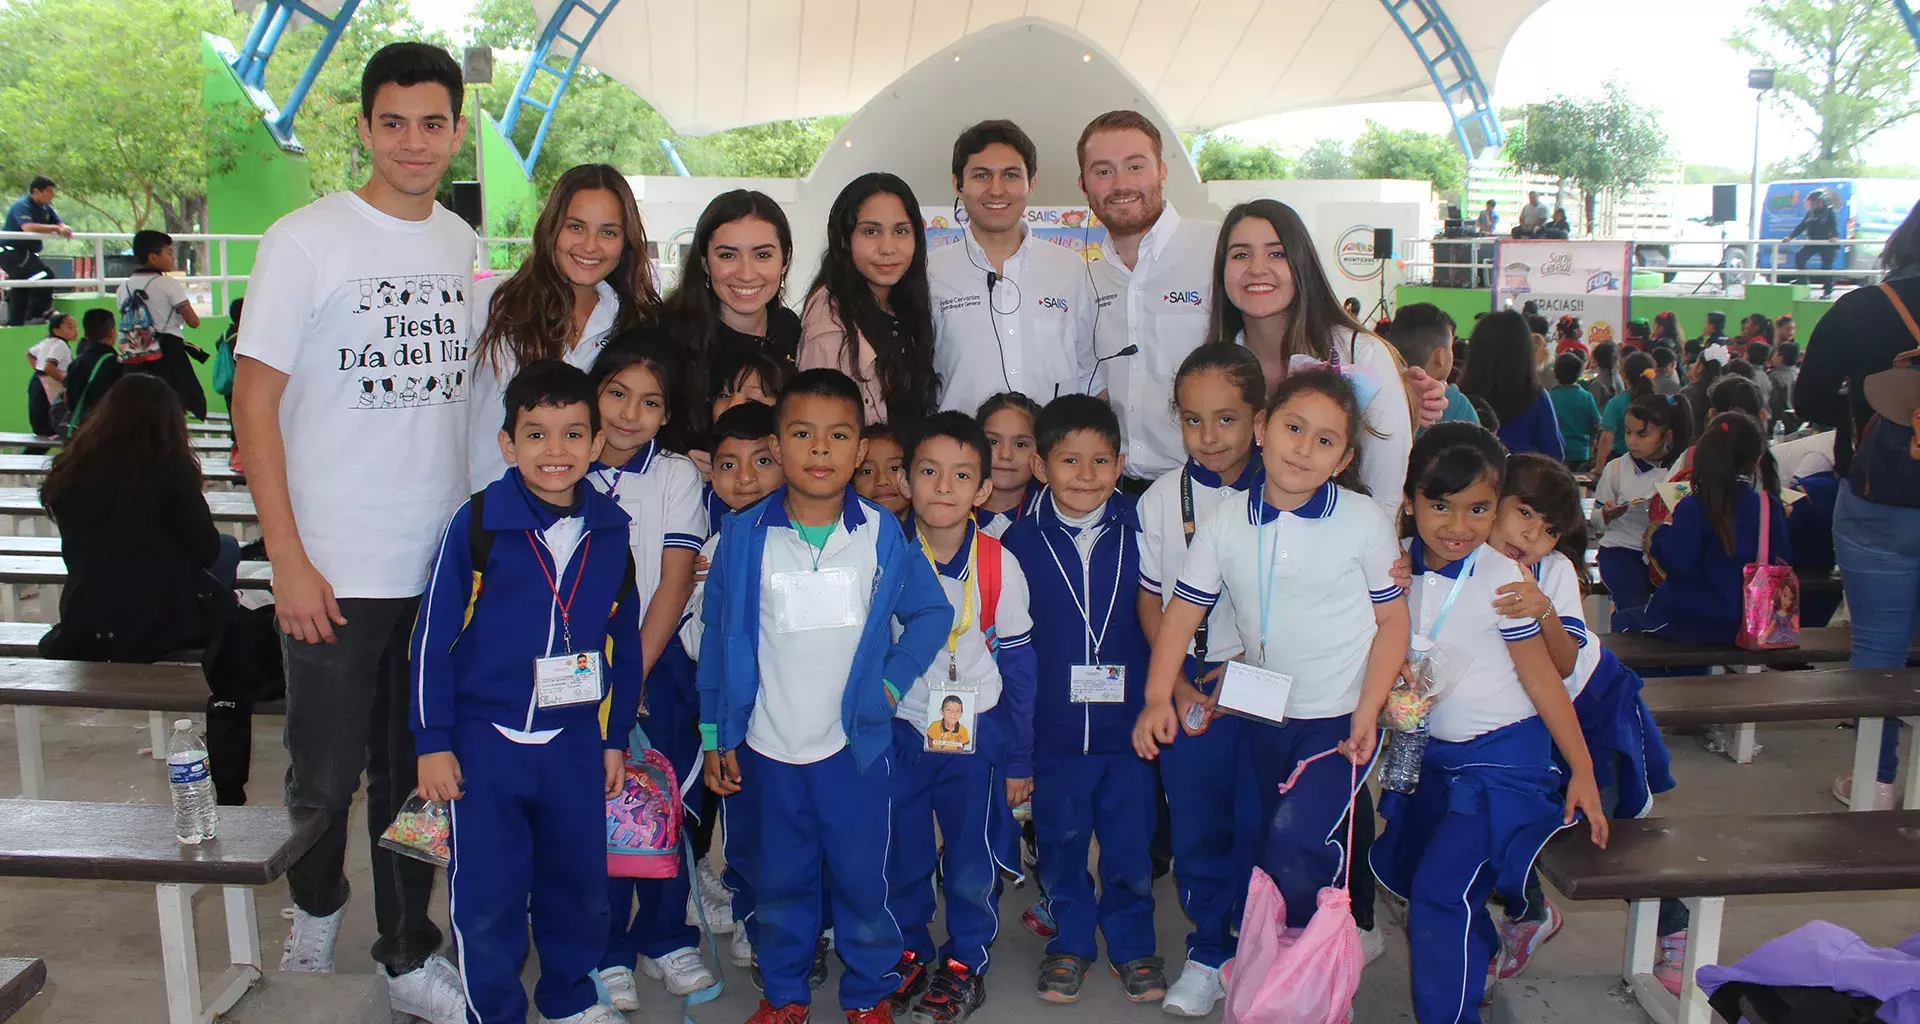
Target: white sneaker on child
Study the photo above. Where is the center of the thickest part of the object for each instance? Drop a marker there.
(739, 948)
(1195, 993)
(618, 981)
(309, 945)
(682, 970)
(715, 899)
(595, 1014)
(431, 991)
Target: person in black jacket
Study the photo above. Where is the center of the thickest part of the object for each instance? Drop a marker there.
(1819, 225)
(94, 367)
(147, 572)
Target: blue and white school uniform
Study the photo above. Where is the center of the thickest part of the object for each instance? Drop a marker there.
(996, 524)
(1699, 601)
(1489, 792)
(1628, 480)
(1304, 583)
(1083, 576)
(1213, 814)
(660, 491)
(964, 791)
(797, 674)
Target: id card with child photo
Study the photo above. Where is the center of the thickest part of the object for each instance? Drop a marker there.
(567, 679)
(950, 722)
(1098, 684)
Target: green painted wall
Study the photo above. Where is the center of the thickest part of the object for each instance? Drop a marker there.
(14, 371)
(1772, 300)
(265, 184)
(509, 192)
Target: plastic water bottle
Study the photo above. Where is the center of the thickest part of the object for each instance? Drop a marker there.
(1400, 763)
(194, 812)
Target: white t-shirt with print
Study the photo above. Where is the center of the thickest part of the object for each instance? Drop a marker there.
(165, 296)
(1489, 695)
(366, 314)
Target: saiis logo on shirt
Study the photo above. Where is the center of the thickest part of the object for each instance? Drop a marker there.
(1178, 298)
(1054, 302)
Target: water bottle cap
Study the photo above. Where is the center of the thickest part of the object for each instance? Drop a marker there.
(182, 724)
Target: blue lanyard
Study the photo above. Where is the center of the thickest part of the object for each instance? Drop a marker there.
(1086, 615)
(1266, 575)
(1466, 569)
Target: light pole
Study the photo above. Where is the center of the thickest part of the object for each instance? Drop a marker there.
(1759, 80)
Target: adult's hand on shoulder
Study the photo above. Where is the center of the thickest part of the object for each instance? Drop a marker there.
(1431, 393)
(303, 602)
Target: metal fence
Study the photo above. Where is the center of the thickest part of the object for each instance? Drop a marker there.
(1718, 266)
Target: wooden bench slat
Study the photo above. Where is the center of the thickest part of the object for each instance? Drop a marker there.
(212, 467)
(1739, 855)
(12, 439)
(135, 843)
(22, 639)
(1644, 650)
(227, 506)
(109, 686)
(20, 980)
(51, 571)
(1688, 701)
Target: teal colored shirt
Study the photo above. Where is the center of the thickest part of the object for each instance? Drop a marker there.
(814, 535)
(1579, 419)
(1615, 419)
(1458, 407)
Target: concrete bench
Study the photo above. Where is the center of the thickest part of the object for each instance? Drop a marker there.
(1703, 860)
(20, 980)
(14, 439)
(1753, 697)
(1646, 651)
(50, 572)
(135, 843)
(30, 685)
(232, 510)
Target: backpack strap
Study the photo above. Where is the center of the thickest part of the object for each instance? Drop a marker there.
(479, 538)
(987, 564)
(1901, 308)
(79, 407)
(1765, 503)
(1187, 524)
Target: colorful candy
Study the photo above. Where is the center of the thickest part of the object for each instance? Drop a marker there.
(421, 830)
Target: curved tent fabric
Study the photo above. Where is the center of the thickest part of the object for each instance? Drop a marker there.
(719, 64)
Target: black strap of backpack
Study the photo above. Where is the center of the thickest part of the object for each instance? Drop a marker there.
(1186, 522)
(479, 538)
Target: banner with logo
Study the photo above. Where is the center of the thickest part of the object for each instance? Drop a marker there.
(1343, 234)
(1588, 280)
(1074, 227)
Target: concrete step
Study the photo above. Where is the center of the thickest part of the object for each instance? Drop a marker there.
(1578, 1000)
(285, 997)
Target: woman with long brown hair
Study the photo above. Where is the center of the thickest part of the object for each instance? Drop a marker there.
(587, 279)
(147, 572)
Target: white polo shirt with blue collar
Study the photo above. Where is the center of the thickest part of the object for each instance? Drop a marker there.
(1164, 542)
(1488, 695)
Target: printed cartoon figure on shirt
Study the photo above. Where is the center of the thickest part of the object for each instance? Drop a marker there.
(421, 340)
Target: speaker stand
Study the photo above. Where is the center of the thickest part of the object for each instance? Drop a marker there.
(1380, 311)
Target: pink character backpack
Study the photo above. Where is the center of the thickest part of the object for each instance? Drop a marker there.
(643, 821)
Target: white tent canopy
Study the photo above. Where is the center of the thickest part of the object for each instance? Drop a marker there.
(716, 64)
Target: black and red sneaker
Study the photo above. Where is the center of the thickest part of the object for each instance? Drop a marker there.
(914, 976)
(1038, 919)
(792, 1013)
(951, 997)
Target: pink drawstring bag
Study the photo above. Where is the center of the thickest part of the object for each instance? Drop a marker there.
(1769, 598)
(1296, 976)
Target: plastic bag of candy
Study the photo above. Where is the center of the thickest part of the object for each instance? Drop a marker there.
(422, 830)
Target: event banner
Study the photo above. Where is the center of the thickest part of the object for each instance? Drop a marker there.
(1588, 280)
(1074, 227)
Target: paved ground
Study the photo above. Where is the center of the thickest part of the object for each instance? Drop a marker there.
(101, 942)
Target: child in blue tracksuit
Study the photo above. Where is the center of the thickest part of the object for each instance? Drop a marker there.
(1082, 565)
(1713, 536)
(1488, 795)
(533, 578)
(962, 735)
(799, 674)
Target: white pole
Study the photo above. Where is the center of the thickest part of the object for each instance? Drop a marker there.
(1753, 186)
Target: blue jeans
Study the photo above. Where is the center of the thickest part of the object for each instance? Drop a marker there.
(1878, 551)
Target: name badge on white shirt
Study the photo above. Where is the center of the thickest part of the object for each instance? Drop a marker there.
(825, 598)
(1099, 684)
(1256, 693)
(567, 679)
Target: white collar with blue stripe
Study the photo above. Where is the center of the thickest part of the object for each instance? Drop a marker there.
(1640, 465)
(956, 567)
(641, 461)
(1250, 474)
(773, 510)
(1451, 570)
(1319, 506)
(1029, 498)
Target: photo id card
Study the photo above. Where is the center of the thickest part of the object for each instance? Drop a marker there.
(1255, 693)
(1098, 684)
(824, 598)
(566, 679)
(951, 711)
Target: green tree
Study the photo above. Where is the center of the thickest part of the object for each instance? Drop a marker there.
(1381, 152)
(1227, 159)
(1846, 67)
(1326, 158)
(1603, 146)
(1711, 174)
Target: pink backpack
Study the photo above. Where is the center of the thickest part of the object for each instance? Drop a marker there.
(1295, 976)
(643, 821)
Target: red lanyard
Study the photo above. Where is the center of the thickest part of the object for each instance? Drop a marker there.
(566, 626)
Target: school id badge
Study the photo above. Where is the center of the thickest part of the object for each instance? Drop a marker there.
(567, 679)
(808, 599)
(1098, 684)
(1257, 693)
(952, 707)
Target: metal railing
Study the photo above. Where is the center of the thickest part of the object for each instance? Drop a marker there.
(1730, 259)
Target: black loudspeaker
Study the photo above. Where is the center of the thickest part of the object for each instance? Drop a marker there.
(1726, 202)
(476, 65)
(466, 202)
(1382, 243)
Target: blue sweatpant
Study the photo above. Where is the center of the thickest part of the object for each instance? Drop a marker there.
(1215, 816)
(649, 915)
(966, 794)
(1077, 798)
(529, 840)
(826, 824)
(1302, 839)
(1624, 571)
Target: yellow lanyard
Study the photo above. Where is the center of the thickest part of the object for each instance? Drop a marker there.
(966, 592)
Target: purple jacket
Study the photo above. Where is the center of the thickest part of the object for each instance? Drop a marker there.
(1823, 955)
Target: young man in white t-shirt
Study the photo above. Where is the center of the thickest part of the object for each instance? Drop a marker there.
(171, 314)
(349, 407)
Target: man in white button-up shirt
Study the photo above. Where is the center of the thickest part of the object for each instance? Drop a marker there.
(1153, 285)
(1011, 311)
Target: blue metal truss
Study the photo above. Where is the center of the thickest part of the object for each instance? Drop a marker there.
(1475, 124)
(251, 62)
(571, 47)
(1906, 15)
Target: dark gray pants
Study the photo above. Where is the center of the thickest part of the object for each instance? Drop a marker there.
(347, 711)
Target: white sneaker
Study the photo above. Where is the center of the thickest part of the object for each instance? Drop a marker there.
(618, 981)
(1886, 795)
(682, 970)
(431, 991)
(739, 948)
(1195, 993)
(595, 1014)
(1373, 945)
(715, 899)
(309, 945)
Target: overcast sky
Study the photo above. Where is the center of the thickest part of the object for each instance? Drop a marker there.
(1668, 53)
